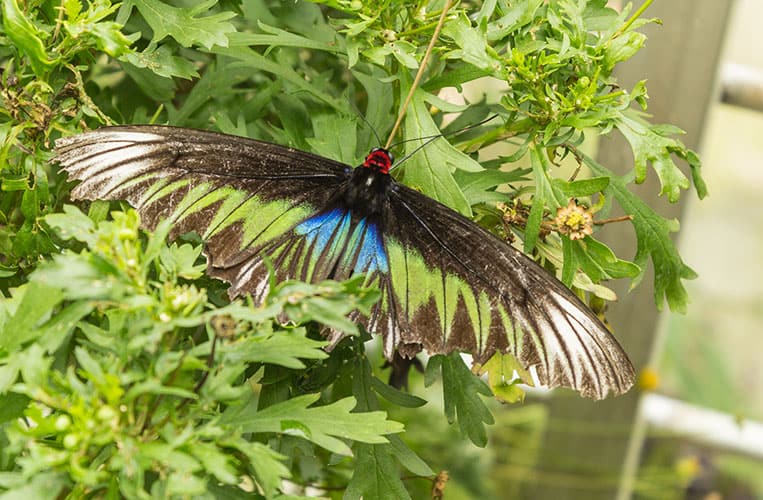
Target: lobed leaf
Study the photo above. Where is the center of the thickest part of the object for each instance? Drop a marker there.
(183, 25)
(461, 389)
(653, 234)
(325, 424)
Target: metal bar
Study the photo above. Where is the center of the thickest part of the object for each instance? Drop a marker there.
(702, 425)
(742, 86)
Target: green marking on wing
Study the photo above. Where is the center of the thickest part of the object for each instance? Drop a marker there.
(447, 297)
(148, 194)
(472, 309)
(126, 185)
(512, 329)
(266, 221)
(197, 199)
(222, 219)
(168, 189)
(486, 316)
(421, 285)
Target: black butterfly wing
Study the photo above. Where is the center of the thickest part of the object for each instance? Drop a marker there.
(456, 286)
(243, 196)
(446, 283)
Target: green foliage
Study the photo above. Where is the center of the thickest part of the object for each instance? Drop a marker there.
(461, 396)
(124, 370)
(159, 374)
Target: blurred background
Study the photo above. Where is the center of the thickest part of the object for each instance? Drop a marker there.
(694, 427)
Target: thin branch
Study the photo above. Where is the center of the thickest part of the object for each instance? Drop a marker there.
(633, 18)
(420, 72)
(622, 218)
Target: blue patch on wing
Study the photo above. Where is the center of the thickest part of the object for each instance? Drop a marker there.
(329, 232)
(371, 256)
(322, 228)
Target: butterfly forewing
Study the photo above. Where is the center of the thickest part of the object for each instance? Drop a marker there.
(446, 283)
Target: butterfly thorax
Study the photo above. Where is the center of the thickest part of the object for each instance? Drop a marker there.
(369, 185)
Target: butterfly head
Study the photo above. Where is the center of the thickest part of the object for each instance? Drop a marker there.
(379, 160)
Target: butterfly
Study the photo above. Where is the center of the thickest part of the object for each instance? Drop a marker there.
(446, 283)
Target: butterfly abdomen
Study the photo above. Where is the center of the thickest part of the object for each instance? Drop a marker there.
(367, 192)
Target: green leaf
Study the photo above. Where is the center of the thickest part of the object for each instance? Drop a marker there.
(653, 234)
(328, 302)
(56, 330)
(35, 304)
(583, 187)
(183, 25)
(599, 262)
(267, 464)
(500, 369)
(650, 145)
(276, 37)
(256, 60)
(180, 261)
(480, 187)
(334, 137)
(404, 52)
(378, 112)
(375, 474)
(365, 387)
(26, 37)
(215, 462)
(284, 348)
(461, 389)
(42, 485)
(454, 78)
(91, 28)
(72, 224)
(696, 171)
(218, 82)
(430, 169)
(156, 387)
(161, 61)
(395, 396)
(472, 42)
(324, 423)
(622, 48)
(12, 405)
(520, 14)
(81, 277)
(544, 197)
(167, 454)
(407, 457)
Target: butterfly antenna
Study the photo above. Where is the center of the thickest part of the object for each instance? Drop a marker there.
(365, 120)
(420, 72)
(468, 127)
(428, 141)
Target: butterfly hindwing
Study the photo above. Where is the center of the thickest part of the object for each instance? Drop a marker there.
(485, 296)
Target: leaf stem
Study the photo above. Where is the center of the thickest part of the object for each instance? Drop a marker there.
(419, 73)
(622, 218)
(633, 18)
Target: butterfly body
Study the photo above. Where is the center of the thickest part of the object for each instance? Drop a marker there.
(446, 283)
(368, 187)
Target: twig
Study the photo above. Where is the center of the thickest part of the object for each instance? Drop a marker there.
(633, 18)
(420, 73)
(622, 218)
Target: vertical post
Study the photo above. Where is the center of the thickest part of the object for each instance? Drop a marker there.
(680, 62)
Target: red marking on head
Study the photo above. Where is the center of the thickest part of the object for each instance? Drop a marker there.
(379, 160)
